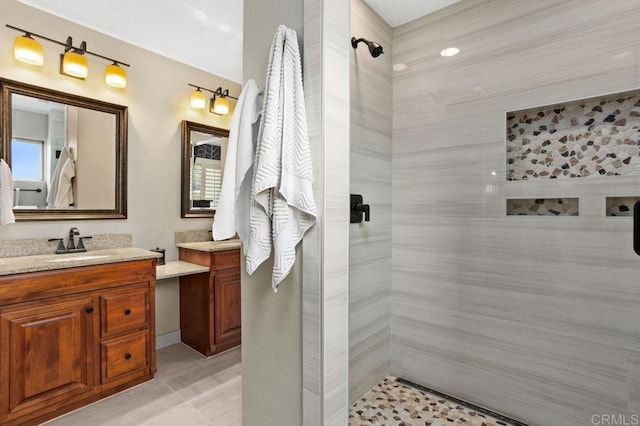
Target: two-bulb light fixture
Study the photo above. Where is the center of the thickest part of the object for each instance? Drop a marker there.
(72, 63)
(218, 104)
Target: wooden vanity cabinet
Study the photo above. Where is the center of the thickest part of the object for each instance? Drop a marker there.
(72, 336)
(210, 302)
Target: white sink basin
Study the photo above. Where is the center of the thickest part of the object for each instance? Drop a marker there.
(78, 258)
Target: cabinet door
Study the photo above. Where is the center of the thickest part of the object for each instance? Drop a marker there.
(47, 352)
(227, 302)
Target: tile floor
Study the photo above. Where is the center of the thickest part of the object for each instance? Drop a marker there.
(188, 389)
(394, 404)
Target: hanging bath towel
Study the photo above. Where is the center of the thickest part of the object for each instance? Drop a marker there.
(64, 194)
(60, 186)
(232, 213)
(283, 177)
(6, 195)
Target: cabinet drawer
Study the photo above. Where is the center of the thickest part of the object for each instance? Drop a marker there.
(226, 259)
(124, 311)
(124, 355)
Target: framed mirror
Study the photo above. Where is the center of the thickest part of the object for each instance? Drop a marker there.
(203, 152)
(67, 154)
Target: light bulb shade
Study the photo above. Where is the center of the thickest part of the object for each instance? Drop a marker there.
(75, 65)
(198, 99)
(221, 105)
(28, 50)
(115, 76)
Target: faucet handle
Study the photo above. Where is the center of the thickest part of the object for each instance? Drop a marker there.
(60, 248)
(81, 242)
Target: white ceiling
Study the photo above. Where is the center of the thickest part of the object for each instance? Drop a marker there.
(398, 12)
(206, 34)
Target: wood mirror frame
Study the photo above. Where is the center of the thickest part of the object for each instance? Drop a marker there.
(186, 128)
(9, 88)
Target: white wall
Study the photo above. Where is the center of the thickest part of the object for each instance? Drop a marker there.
(271, 322)
(535, 317)
(370, 242)
(158, 100)
(295, 343)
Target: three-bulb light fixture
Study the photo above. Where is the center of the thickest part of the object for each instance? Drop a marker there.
(72, 63)
(218, 104)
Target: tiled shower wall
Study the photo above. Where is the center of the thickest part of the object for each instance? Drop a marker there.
(370, 242)
(535, 317)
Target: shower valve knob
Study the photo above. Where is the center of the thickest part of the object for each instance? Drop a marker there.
(358, 208)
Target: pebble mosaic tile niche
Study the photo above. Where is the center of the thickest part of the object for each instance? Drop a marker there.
(595, 137)
(621, 206)
(543, 206)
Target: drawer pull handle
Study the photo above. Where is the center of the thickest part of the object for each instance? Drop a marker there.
(127, 356)
(127, 312)
(89, 309)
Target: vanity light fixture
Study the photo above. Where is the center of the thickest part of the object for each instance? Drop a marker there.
(115, 76)
(198, 99)
(218, 104)
(72, 63)
(28, 50)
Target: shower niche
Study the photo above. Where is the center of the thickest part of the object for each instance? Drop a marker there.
(595, 138)
(587, 138)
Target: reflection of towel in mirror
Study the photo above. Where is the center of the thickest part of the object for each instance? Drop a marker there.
(54, 194)
(6, 195)
(64, 195)
(283, 176)
(232, 212)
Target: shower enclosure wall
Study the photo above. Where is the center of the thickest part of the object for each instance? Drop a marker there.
(536, 317)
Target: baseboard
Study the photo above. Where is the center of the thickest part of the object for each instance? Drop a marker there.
(167, 339)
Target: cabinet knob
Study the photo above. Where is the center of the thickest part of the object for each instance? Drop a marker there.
(127, 312)
(127, 356)
(89, 309)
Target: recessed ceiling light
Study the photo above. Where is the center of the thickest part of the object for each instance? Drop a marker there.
(493, 173)
(449, 51)
(400, 67)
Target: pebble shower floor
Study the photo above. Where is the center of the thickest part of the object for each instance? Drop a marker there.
(391, 403)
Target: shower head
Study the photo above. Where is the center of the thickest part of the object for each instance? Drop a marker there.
(374, 48)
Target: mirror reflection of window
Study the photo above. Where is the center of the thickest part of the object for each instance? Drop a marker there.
(27, 159)
(206, 169)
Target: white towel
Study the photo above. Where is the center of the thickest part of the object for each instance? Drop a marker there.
(6, 194)
(64, 194)
(232, 212)
(54, 185)
(283, 178)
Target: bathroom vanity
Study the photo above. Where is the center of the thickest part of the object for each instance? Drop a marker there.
(73, 329)
(210, 302)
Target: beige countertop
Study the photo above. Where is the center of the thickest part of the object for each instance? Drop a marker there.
(211, 245)
(178, 268)
(48, 262)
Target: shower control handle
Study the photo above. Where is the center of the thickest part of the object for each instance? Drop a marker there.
(358, 208)
(363, 208)
(636, 228)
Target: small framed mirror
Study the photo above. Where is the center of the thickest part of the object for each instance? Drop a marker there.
(203, 152)
(67, 154)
